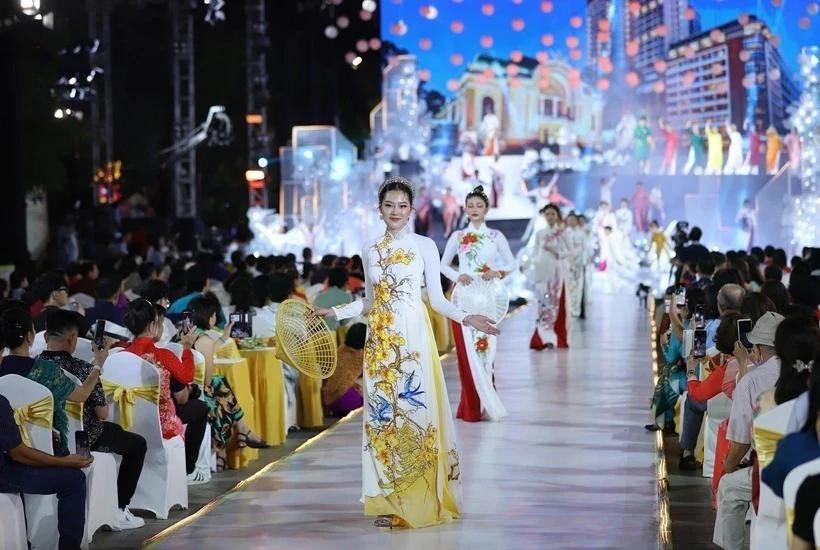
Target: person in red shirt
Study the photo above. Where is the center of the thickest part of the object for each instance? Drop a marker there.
(142, 319)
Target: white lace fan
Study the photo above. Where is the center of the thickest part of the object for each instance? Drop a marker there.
(488, 298)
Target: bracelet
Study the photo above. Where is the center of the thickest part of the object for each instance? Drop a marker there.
(502, 274)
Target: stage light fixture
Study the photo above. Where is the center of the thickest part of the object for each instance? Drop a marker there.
(262, 162)
(356, 62)
(369, 5)
(30, 7)
(59, 113)
(254, 175)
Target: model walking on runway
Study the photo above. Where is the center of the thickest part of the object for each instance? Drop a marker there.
(482, 253)
(549, 254)
(410, 465)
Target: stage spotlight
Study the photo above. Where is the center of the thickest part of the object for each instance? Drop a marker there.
(356, 62)
(30, 7)
(59, 113)
(262, 162)
(369, 5)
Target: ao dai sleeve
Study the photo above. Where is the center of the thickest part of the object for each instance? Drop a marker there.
(450, 252)
(432, 278)
(506, 259)
(362, 305)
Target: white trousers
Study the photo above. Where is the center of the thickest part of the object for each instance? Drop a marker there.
(733, 500)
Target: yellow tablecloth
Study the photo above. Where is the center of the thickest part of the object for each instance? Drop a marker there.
(238, 375)
(309, 402)
(268, 388)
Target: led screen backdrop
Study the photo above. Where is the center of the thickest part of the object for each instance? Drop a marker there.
(575, 69)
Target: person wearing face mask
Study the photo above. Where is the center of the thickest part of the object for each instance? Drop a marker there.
(550, 254)
(483, 253)
(410, 463)
(735, 487)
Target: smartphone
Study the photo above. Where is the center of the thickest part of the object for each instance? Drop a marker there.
(699, 317)
(187, 321)
(81, 443)
(699, 344)
(242, 327)
(680, 298)
(99, 333)
(744, 327)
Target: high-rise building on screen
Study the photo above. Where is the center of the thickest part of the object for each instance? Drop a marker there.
(733, 72)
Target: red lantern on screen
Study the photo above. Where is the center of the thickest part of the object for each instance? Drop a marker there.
(487, 9)
(518, 24)
(457, 27)
(486, 41)
(576, 21)
(547, 39)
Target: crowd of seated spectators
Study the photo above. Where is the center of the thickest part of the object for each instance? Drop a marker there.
(774, 367)
(141, 297)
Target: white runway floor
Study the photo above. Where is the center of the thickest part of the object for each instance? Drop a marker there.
(570, 467)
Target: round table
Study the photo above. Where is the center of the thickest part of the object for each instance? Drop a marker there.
(267, 384)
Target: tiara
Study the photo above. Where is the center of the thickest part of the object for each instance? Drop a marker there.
(800, 366)
(398, 180)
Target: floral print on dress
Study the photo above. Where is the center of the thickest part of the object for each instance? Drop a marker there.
(170, 423)
(404, 449)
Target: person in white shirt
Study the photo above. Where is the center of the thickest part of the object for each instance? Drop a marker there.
(735, 489)
(280, 288)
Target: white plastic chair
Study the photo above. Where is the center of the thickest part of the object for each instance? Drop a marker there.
(162, 483)
(717, 409)
(793, 482)
(41, 510)
(100, 501)
(769, 525)
(13, 532)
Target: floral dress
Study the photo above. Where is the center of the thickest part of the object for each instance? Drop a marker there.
(576, 269)
(223, 410)
(410, 465)
(479, 250)
(552, 326)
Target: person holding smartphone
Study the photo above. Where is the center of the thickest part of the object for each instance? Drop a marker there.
(107, 437)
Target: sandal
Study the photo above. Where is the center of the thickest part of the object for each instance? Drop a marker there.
(221, 463)
(242, 441)
(384, 521)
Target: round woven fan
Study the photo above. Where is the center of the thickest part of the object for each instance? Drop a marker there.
(488, 298)
(304, 341)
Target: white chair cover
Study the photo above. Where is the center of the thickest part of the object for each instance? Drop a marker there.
(13, 531)
(817, 527)
(100, 501)
(769, 527)
(85, 350)
(162, 483)
(39, 344)
(717, 410)
(41, 510)
(793, 482)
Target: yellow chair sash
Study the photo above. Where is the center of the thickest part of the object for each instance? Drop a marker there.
(126, 398)
(39, 413)
(766, 445)
(74, 409)
(199, 373)
(789, 523)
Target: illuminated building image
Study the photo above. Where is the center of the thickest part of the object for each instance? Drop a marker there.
(529, 101)
(732, 72)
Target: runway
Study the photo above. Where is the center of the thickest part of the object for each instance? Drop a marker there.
(571, 466)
